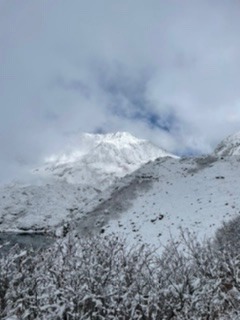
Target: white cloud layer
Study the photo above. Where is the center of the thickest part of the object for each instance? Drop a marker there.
(163, 70)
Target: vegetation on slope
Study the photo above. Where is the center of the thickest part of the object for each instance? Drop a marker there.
(102, 278)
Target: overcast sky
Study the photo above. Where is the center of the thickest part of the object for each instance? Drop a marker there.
(165, 70)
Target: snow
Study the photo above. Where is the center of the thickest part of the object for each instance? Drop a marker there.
(229, 146)
(41, 207)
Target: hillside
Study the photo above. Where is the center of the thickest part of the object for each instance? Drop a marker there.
(151, 204)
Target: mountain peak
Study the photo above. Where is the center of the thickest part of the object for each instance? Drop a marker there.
(229, 146)
(117, 137)
(99, 159)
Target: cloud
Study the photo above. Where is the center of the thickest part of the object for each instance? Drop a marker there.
(163, 70)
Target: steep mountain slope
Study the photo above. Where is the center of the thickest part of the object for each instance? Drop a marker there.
(151, 204)
(229, 146)
(104, 158)
(71, 181)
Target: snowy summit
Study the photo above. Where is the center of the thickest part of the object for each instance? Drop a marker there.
(229, 146)
(101, 158)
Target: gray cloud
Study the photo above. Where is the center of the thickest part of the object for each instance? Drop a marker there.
(163, 70)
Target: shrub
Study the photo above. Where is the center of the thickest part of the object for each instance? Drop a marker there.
(102, 278)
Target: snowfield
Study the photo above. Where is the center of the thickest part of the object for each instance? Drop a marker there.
(150, 205)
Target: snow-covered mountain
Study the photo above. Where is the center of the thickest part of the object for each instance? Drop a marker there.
(101, 159)
(69, 182)
(149, 204)
(229, 146)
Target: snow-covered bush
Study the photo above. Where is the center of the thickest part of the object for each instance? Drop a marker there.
(77, 279)
(228, 236)
(102, 278)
